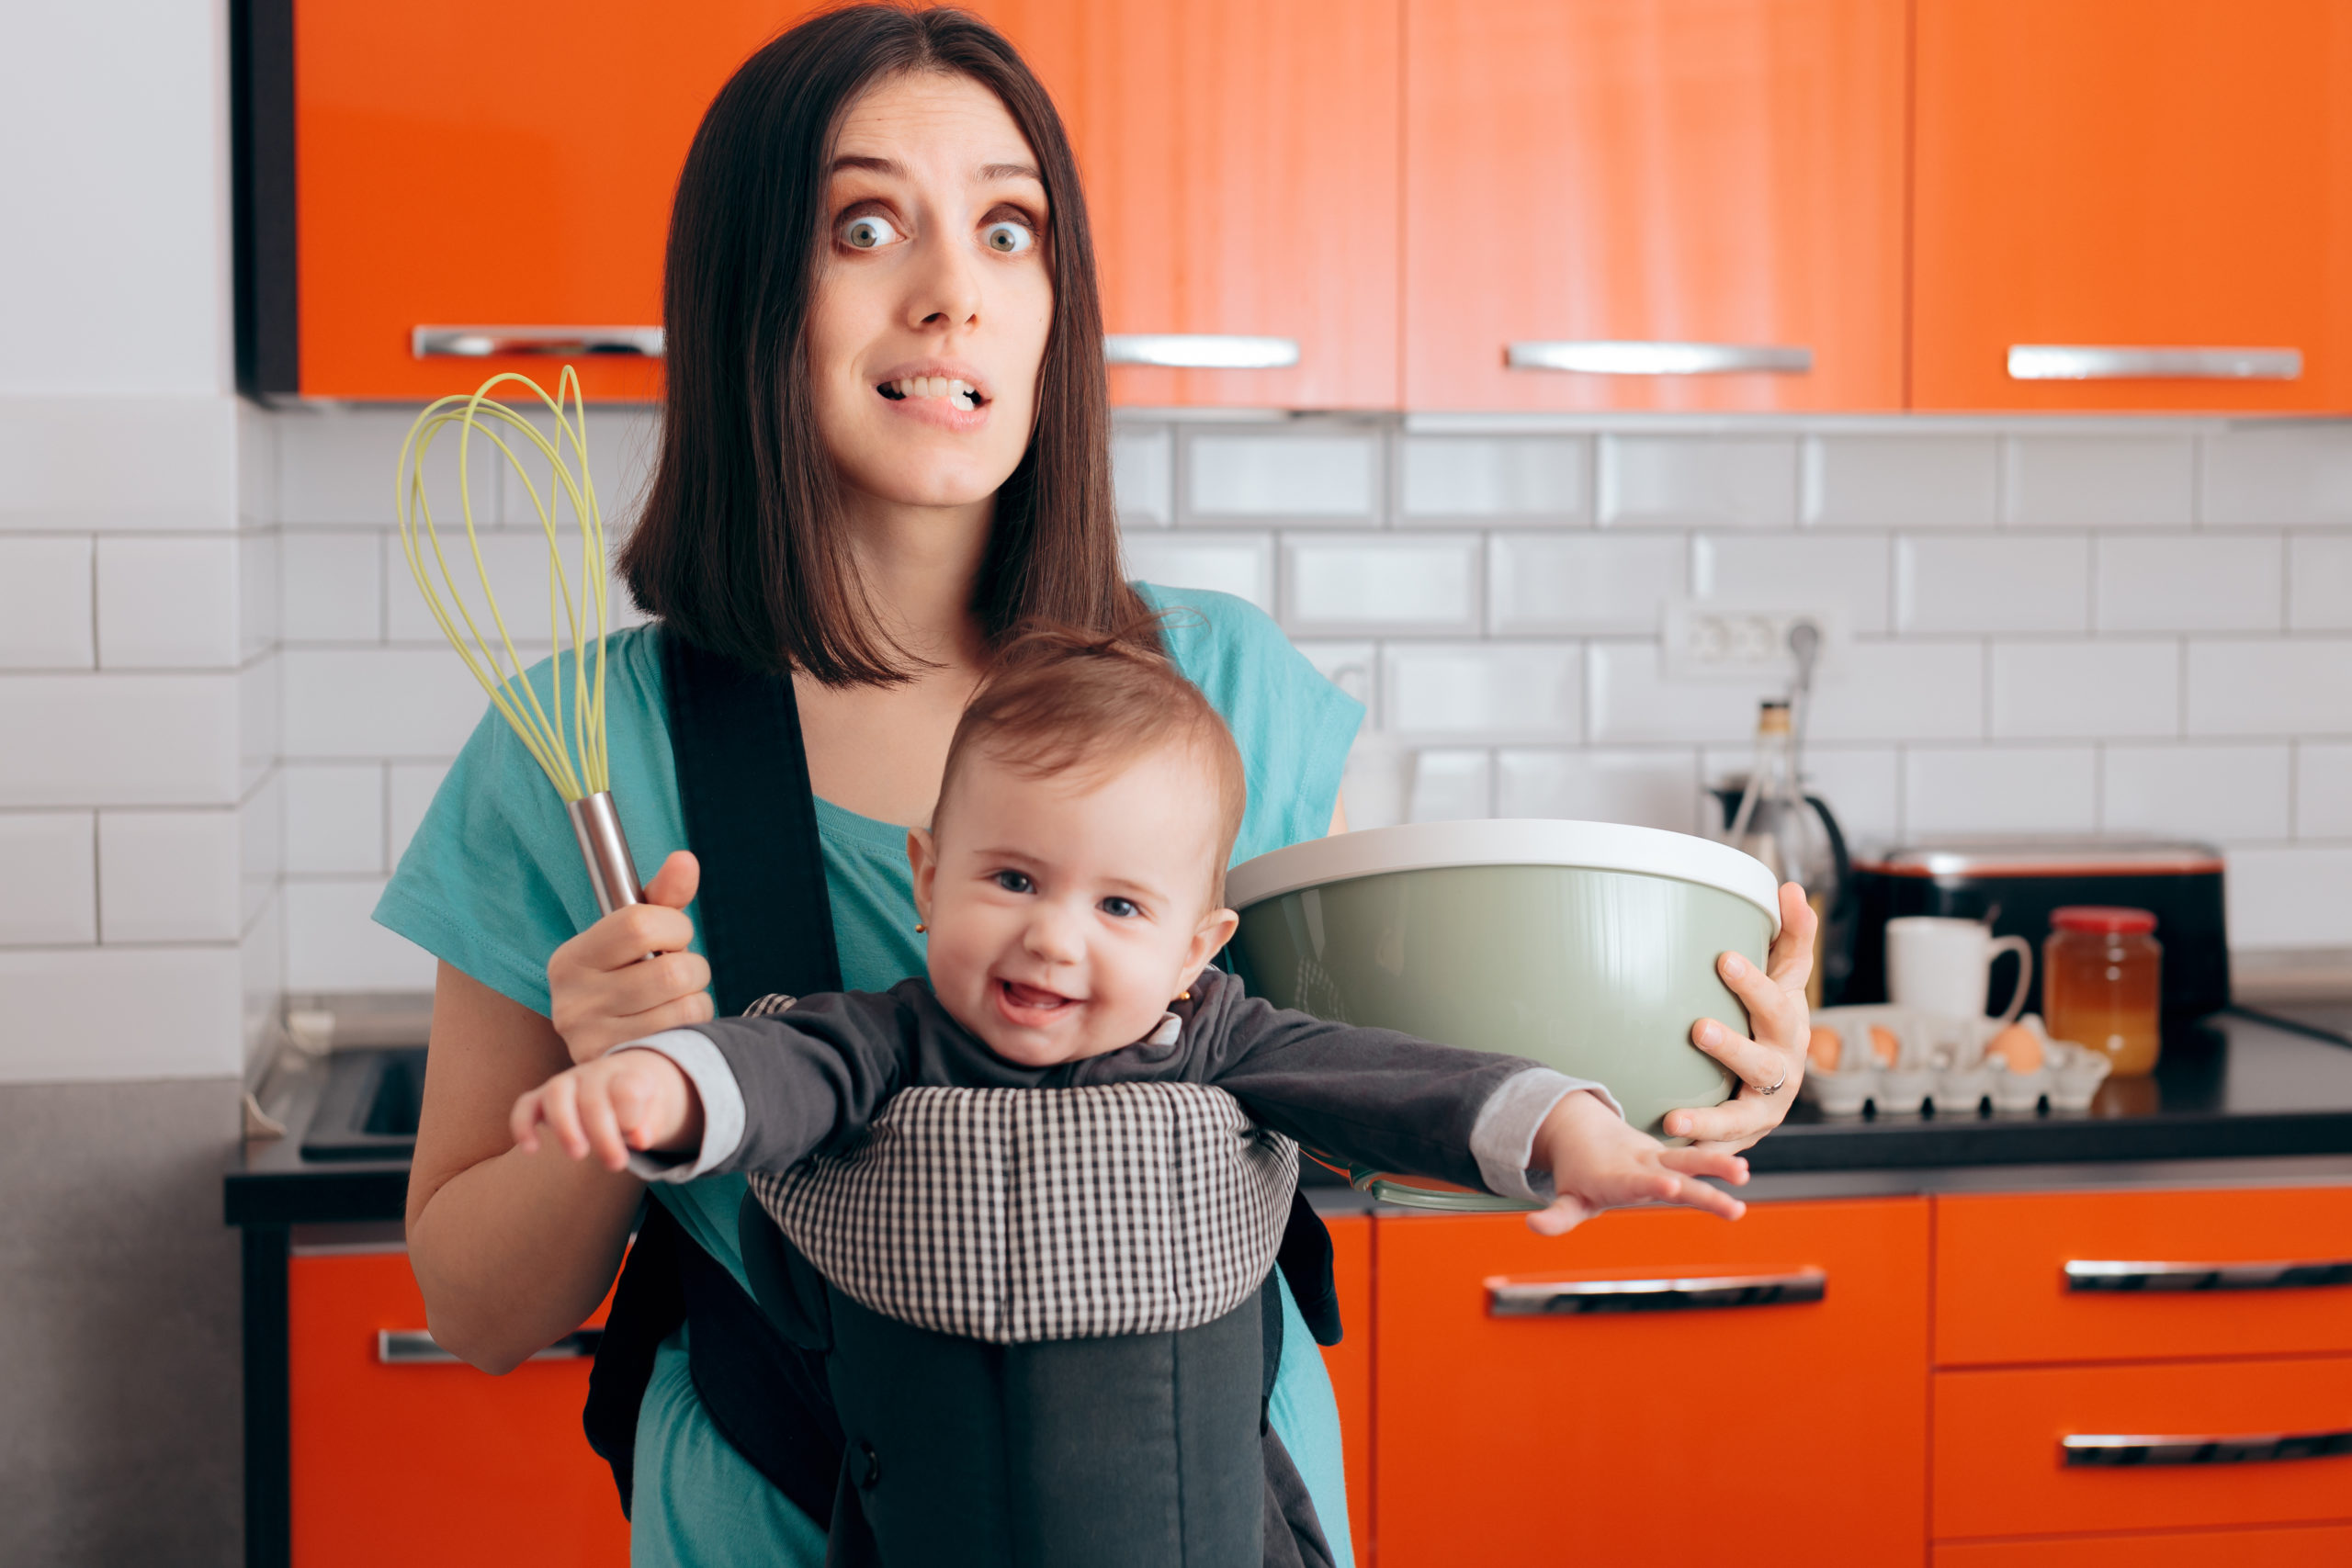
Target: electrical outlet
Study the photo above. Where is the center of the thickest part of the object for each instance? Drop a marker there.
(1708, 641)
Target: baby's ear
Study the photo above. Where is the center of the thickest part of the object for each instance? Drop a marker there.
(922, 859)
(1217, 929)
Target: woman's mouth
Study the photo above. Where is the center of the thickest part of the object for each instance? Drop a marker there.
(958, 394)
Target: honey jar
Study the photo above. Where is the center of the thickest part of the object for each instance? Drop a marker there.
(2102, 984)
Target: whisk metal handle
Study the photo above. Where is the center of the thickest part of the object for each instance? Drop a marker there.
(605, 848)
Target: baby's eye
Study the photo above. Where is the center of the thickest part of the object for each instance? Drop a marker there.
(1008, 238)
(1016, 882)
(868, 232)
(1119, 908)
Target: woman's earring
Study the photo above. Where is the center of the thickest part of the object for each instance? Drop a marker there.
(920, 928)
(1183, 996)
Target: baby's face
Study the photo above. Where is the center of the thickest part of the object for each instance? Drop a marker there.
(1067, 913)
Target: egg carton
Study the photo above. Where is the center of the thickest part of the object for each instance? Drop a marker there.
(1897, 1061)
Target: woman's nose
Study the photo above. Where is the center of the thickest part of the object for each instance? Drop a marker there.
(944, 286)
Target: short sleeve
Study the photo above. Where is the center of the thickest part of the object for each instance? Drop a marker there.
(1294, 726)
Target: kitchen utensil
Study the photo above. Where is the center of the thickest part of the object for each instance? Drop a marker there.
(2103, 972)
(2014, 884)
(1589, 946)
(568, 743)
(1777, 823)
(1944, 966)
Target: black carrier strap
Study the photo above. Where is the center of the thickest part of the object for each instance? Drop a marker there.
(766, 922)
(767, 925)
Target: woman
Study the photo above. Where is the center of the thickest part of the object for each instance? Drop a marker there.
(885, 443)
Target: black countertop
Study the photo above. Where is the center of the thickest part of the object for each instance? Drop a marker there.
(2236, 1085)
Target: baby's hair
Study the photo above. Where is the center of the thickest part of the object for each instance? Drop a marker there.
(1060, 700)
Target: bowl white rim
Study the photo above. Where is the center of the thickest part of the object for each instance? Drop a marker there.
(1534, 840)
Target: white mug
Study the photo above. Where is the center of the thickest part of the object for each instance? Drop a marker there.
(1943, 965)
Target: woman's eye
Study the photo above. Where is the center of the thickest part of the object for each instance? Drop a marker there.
(1008, 238)
(868, 232)
(1014, 881)
(1121, 908)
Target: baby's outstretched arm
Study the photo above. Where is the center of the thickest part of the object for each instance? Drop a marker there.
(623, 1102)
(1598, 1162)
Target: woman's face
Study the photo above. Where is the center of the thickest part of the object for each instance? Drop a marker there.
(933, 295)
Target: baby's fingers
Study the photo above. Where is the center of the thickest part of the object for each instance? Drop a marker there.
(1695, 1194)
(523, 1123)
(603, 1130)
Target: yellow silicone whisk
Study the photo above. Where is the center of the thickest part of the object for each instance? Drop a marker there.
(566, 739)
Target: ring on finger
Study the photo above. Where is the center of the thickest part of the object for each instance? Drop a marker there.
(1769, 1093)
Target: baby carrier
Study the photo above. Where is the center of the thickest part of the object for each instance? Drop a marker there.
(1113, 1447)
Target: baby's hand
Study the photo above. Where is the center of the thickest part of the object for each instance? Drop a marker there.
(622, 1101)
(1598, 1162)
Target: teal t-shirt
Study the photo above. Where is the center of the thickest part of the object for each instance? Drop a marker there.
(492, 883)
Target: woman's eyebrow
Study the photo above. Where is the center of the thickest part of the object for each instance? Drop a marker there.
(993, 171)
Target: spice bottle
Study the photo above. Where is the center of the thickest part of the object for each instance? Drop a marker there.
(2102, 984)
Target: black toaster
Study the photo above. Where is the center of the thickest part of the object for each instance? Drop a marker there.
(2015, 883)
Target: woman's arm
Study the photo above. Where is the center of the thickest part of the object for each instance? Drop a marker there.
(512, 1250)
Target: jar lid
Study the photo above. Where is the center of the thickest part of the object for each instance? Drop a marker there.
(2103, 918)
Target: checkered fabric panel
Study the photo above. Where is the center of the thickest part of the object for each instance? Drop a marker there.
(1019, 1214)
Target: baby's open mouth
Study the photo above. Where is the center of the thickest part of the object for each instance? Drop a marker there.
(963, 394)
(1032, 997)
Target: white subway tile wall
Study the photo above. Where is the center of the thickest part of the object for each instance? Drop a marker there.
(1901, 482)
(2135, 626)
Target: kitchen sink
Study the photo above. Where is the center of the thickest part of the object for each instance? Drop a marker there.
(369, 1109)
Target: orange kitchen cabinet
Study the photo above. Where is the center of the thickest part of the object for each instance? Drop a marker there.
(513, 165)
(1240, 163)
(2002, 1295)
(462, 165)
(1999, 1458)
(1605, 1438)
(1706, 171)
(2131, 175)
(2295, 1546)
(1350, 1364)
(437, 1463)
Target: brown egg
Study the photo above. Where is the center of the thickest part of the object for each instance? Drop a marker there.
(1824, 1049)
(2019, 1047)
(1884, 1046)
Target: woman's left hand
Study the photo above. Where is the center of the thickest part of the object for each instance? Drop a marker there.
(1770, 1065)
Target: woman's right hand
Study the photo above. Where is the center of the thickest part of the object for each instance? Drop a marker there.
(603, 988)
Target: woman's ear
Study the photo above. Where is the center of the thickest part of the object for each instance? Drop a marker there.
(922, 857)
(1217, 929)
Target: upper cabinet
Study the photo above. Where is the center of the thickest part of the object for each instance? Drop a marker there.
(467, 167)
(1240, 163)
(2133, 204)
(1654, 204)
(461, 171)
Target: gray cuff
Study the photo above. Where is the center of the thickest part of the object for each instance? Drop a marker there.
(1503, 1140)
(722, 1106)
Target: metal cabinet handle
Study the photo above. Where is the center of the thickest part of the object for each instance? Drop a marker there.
(1200, 351)
(415, 1347)
(1639, 358)
(2086, 362)
(482, 342)
(2257, 1448)
(1568, 1298)
(2089, 1274)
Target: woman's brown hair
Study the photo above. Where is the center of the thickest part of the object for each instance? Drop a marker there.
(742, 546)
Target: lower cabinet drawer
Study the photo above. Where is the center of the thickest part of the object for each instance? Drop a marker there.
(2002, 1457)
(1525, 1415)
(2293, 1546)
(399, 1463)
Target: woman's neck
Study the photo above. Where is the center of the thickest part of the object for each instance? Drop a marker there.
(918, 565)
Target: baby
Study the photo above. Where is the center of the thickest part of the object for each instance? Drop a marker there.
(1072, 883)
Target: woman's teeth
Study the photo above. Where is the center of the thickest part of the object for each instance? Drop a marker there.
(962, 393)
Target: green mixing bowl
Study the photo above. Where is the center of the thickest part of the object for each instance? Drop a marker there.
(1588, 946)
